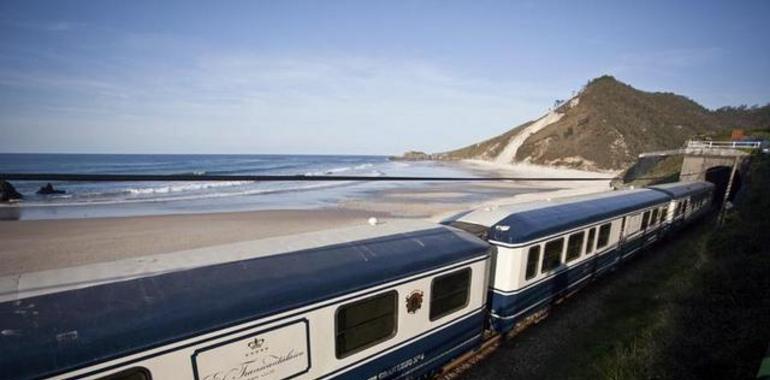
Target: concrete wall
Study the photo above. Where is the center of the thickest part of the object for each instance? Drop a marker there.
(697, 161)
(694, 167)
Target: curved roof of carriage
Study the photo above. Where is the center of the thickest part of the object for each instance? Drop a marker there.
(532, 224)
(113, 319)
(683, 189)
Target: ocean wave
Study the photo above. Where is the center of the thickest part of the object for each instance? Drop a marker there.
(186, 187)
(339, 170)
(306, 186)
(275, 169)
(190, 172)
(171, 191)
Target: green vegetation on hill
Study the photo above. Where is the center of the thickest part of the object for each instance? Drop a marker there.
(756, 134)
(649, 171)
(612, 123)
(745, 117)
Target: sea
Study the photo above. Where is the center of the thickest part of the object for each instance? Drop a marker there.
(107, 199)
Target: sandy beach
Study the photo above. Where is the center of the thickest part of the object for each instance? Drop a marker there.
(36, 245)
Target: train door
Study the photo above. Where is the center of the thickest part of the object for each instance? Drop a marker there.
(592, 250)
(622, 238)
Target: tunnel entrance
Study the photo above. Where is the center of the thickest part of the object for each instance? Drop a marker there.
(720, 176)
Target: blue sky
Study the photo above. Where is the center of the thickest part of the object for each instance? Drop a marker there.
(347, 77)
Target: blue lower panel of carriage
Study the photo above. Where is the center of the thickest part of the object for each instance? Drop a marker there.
(677, 224)
(509, 309)
(632, 246)
(606, 261)
(423, 355)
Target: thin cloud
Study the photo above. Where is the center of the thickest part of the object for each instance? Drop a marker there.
(669, 61)
(47, 26)
(358, 104)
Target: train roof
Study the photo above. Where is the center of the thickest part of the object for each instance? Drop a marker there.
(683, 189)
(532, 224)
(490, 216)
(68, 328)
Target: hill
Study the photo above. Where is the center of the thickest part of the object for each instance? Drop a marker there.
(607, 125)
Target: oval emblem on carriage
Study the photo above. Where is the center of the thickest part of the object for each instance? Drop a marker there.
(414, 301)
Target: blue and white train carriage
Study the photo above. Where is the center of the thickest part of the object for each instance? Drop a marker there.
(545, 250)
(688, 200)
(372, 302)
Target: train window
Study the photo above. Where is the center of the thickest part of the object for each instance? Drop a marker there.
(654, 217)
(604, 235)
(575, 246)
(663, 213)
(364, 323)
(645, 219)
(137, 373)
(590, 244)
(449, 293)
(533, 258)
(552, 255)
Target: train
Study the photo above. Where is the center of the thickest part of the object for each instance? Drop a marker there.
(400, 300)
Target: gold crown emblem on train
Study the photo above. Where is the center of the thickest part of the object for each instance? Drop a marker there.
(414, 301)
(256, 343)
